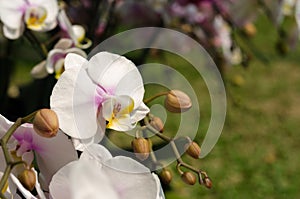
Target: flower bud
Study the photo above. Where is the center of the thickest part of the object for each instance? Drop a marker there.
(45, 123)
(157, 124)
(249, 29)
(165, 176)
(177, 101)
(141, 148)
(28, 179)
(193, 149)
(188, 178)
(207, 182)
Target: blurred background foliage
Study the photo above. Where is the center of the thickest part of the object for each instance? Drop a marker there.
(257, 153)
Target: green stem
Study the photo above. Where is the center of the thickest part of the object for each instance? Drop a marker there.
(10, 164)
(146, 101)
(40, 47)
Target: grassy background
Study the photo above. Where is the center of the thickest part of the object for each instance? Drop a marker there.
(257, 155)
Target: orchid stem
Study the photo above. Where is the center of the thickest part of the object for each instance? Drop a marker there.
(146, 101)
(180, 162)
(40, 47)
(10, 164)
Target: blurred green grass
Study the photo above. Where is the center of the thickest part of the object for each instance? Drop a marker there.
(257, 155)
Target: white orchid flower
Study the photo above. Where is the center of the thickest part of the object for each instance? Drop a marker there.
(98, 175)
(55, 59)
(51, 153)
(74, 32)
(38, 15)
(232, 54)
(107, 88)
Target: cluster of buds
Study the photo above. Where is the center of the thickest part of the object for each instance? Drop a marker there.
(176, 101)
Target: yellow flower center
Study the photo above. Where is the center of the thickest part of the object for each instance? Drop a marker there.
(35, 17)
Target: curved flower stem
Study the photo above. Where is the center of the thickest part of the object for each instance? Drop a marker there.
(10, 164)
(40, 47)
(180, 162)
(146, 101)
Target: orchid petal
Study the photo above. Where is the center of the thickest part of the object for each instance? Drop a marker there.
(77, 113)
(11, 13)
(131, 84)
(79, 32)
(38, 186)
(39, 71)
(105, 67)
(52, 9)
(63, 44)
(125, 173)
(52, 154)
(117, 112)
(77, 51)
(160, 193)
(59, 185)
(13, 33)
(4, 125)
(81, 144)
(96, 152)
(28, 157)
(139, 113)
(52, 58)
(91, 186)
(72, 60)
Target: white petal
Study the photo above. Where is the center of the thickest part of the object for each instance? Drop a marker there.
(82, 144)
(66, 25)
(139, 113)
(73, 100)
(108, 69)
(131, 84)
(73, 60)
(38, 186)
(130, 178)
(60, 184)
(4, 125)
(11, 13)
(50, 5)
(77, 51)
(13, 33)
(28, 157)
(63, 44)
(160, 192)
(93, 183)
(126, 165)
(79, 32)
(53, 153)
(39, 71)
(96, 152)
(52, 57)
(116, 110)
